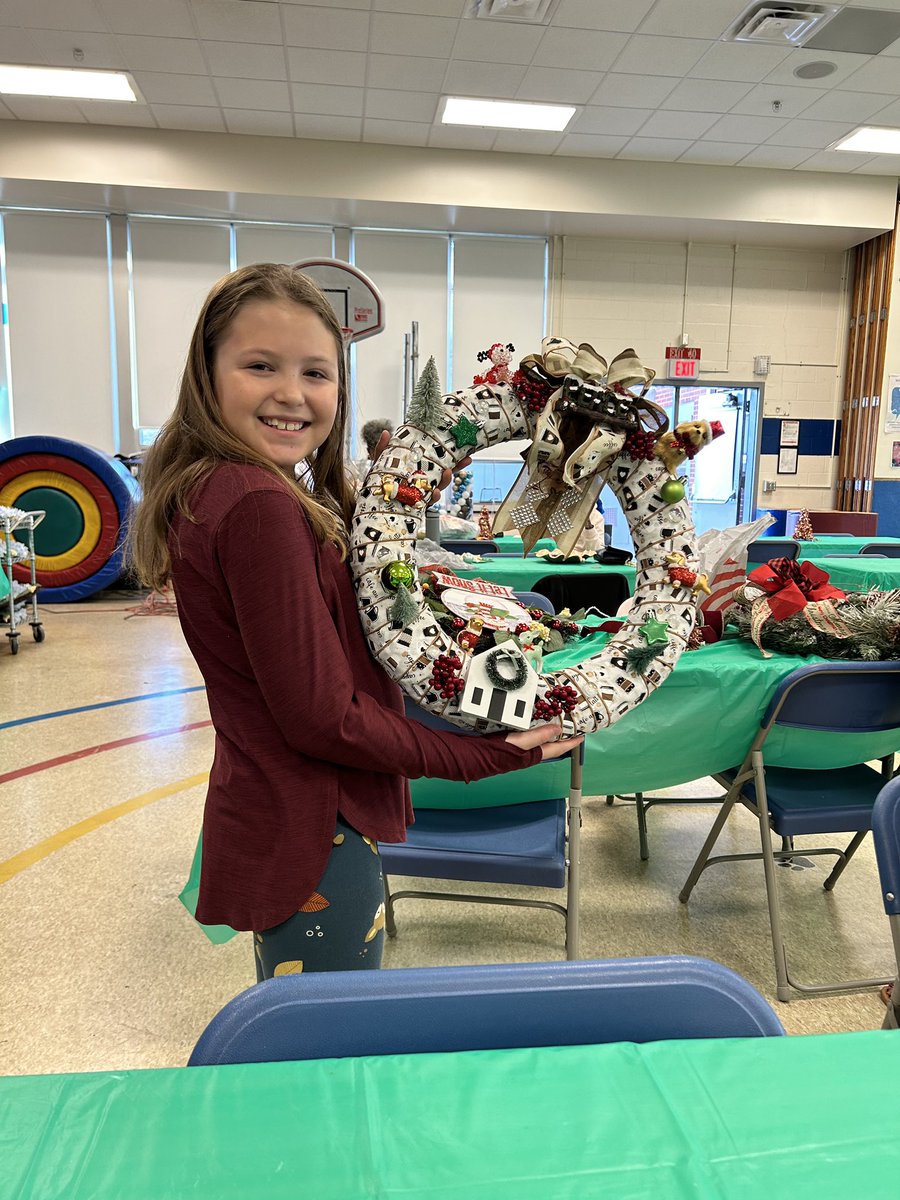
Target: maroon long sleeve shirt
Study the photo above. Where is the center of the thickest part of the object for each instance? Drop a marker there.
(307, 724)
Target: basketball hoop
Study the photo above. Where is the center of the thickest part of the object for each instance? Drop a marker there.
(353, 296)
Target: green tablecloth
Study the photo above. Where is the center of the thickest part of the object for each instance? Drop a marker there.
(862, 573)
(700, 721)
(740, 1119)
(826, 544)
(521, 574)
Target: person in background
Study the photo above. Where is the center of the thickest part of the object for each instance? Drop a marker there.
(313, 751)
(372, 434)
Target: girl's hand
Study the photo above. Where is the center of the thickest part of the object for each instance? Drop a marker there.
(543, 736)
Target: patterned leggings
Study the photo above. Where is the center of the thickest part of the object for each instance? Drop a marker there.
(341, 926)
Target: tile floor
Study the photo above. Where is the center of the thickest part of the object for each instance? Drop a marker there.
(103, 968)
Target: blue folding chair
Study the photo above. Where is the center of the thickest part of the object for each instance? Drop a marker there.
(350, 1014)
(843, 698)
(881, 550)
(535, 600)
(766, 549)
(886, 836)
(536, 844)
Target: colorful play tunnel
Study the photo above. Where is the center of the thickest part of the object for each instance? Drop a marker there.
(86, 496)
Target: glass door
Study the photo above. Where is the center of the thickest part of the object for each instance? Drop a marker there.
(721, 479)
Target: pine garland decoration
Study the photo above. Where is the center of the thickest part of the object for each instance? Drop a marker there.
(403, 610)
(639, 658)
(426, 409)
(872, 617)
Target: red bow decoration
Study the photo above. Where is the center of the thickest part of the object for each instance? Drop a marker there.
(791, 586)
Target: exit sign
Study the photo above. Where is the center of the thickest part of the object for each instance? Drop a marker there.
(683, 362)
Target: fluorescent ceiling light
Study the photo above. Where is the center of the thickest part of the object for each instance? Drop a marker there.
(871, 140)
(65, 81)
(505, 114)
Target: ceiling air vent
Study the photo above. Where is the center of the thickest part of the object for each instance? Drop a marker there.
(532, 12)
(780, 24)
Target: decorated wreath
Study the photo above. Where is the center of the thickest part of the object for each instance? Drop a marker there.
(590, 424)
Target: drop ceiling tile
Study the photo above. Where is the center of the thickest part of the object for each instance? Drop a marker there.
(846, 65)
(784, 157)
(55, 47)
(456, 137)
(102, 112)
(267, 94)
(324, 66)
(880, 164)
(245, 61)
(500, 82)
(602, 14)
(846, 106)
(557, 87)
(396, 133)
(655, 149)
(264, 124)
(325, 28)
(157, 87)
(407, 74)
(678, 124)
(520, 141)
(401, 33)
(723, 154)
(699, 18)
(739, 62)
(793, 100)
(238, 21)
(492, 41)
(580, 50)
(660, 55)
(609, 120)
(744, 129)
(816, 135)
(891, 51)
(326, 99)
(383, 104)
(829, 160)
(188, 116)
(179, 55)
(54, 14)
(44, 108)
(430, 8)
(591, 145)
(706, 95)
(888, 115)
(884, 5)
(17, 46)
(337, 129)
(6, 114)
(880, 74)
(137, 16)
(631, 91)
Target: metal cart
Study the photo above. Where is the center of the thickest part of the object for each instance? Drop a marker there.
(15, 609)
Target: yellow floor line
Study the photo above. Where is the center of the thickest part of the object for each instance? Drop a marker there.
(34, 854)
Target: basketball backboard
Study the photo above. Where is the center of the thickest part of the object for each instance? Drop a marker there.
(353, 295)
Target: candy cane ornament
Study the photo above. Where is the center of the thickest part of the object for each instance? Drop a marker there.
(566, 388)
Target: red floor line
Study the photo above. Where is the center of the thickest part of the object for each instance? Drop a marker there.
(89, 750)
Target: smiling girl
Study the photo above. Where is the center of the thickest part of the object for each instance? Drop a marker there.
(313, 751)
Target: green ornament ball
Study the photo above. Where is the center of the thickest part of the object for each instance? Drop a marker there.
(397, 573)
(672, 491)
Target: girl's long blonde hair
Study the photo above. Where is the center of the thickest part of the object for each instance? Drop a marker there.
(194, 439)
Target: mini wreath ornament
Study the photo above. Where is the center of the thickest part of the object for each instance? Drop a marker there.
(580, 431)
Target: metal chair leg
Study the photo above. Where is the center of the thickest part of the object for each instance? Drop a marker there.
(711, 838)
(782, 985)
(838, 869)
(642, 825)
(390, 925)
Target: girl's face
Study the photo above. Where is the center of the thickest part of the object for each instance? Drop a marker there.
(275, 375)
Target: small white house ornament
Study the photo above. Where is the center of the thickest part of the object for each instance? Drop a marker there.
(501, 687)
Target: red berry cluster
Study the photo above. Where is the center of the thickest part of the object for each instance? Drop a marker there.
(639, 445)
(457, 623)
(555, 701)
(444, 678)
(531, 392)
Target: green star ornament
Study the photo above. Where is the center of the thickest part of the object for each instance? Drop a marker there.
(654, 631)
(464, 433)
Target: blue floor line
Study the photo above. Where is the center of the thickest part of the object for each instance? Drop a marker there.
(67, 712)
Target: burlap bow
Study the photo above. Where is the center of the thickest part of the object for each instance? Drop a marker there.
(557, 489)
(791, 587)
